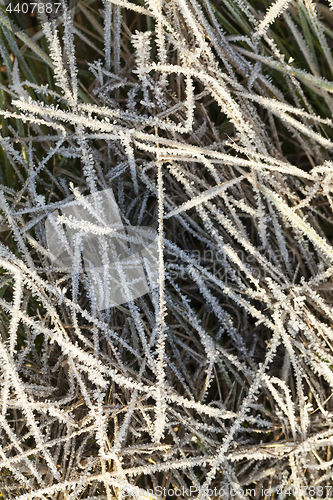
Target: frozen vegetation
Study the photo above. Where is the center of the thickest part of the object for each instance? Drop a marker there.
(210, 122)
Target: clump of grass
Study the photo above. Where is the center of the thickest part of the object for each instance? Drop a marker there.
(211, 122)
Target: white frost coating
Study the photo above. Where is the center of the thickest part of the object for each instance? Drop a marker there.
(222, 374)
